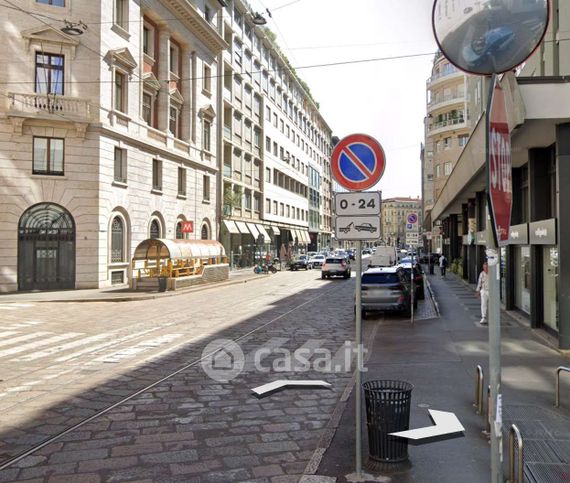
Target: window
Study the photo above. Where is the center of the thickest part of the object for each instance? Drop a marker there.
(446, 143)
(157, 174)
(181, 181)
(173, 119)
(247, 200)
(147, 108)
(256, 203)
(207, 135)
(275, 207)
(179, 235)
(438, 171)
(267, 205)
(281, 209)
(117, 240)
(174, 58)
(463, 140)
(268, 144)
(208, 15)
(55, 3)
(49, 74)
(204, 234)
(268, 175)
(155, 230)
(48, 156)
(206, 188)
(447, 169)
(148, 40)
(120, 91)
(207, 79)
(120, 168)
(121, 14)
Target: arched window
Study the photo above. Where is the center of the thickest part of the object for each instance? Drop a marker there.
(155, 229)
(179, 234)
(117, 240)
(205, 235)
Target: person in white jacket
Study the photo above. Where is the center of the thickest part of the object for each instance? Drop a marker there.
(483, 292)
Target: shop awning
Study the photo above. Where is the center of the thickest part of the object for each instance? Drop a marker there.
(276, 230)
(296, 236)
(306, 236)
(253, 229)
(154, 248)
(263, 231)
(242, 227)
(231, 227)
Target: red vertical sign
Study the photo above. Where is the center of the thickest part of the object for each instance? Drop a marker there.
(500, 167)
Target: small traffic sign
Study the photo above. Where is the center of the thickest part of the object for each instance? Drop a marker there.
(357, 203)
(412, 218)
(409, 226)
(500, 168)
(357, 227)
(358, 162)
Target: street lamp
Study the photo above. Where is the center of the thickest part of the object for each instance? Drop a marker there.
(258, 19)
(73, 28)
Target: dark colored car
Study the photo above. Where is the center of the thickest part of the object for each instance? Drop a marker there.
(386, 289)
(300, 263)
(485, 47)
(418, 278)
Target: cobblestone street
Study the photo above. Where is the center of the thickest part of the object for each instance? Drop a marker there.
(66, 362)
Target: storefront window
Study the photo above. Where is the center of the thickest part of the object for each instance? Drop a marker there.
(522, 261)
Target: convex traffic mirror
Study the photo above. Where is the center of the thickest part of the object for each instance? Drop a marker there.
(489, 37)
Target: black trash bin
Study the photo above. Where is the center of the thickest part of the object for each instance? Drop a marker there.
(162, 284)
(387, 411)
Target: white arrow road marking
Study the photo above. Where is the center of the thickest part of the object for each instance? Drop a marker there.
(445, 423)
(283, 383)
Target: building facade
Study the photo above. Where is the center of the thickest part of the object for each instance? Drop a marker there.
(535, 266)
(394, 218)
(447, 128)
(275, 188)
(107, 138)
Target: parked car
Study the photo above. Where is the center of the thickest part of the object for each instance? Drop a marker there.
(367, 251)
(419, 285)
(299, 263)
(336, 266)
(316, 261)
(386, 289)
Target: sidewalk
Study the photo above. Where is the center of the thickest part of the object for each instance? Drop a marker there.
(121, 294)
(438, 357)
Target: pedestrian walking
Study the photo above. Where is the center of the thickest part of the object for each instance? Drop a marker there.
(442, 265)
(483, 292)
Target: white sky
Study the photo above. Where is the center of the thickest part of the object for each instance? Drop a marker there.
(385, 99)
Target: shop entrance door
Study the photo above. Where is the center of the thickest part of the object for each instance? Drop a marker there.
(550, 293)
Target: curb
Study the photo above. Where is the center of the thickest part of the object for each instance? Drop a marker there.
(432, 297)
(148, 296)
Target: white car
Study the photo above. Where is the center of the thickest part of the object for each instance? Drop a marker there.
(316, 261)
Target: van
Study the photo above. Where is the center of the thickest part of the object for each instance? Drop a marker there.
(383, 257)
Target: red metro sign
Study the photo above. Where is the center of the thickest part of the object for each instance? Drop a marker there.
(500, 167)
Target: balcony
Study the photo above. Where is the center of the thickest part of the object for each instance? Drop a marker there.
(442, 102)
(55, 108)
(450, 73)
(447, 125)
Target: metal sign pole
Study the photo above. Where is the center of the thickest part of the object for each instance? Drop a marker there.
(359, 358)
(494, 318)
(412, 285)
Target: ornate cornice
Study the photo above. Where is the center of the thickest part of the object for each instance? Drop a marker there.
(189, 15)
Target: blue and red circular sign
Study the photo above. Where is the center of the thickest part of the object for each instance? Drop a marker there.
(358, 162)
(412, 218)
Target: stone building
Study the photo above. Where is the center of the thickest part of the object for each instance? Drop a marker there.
(107, 135)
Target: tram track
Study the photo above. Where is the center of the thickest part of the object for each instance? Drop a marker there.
(101, 412)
